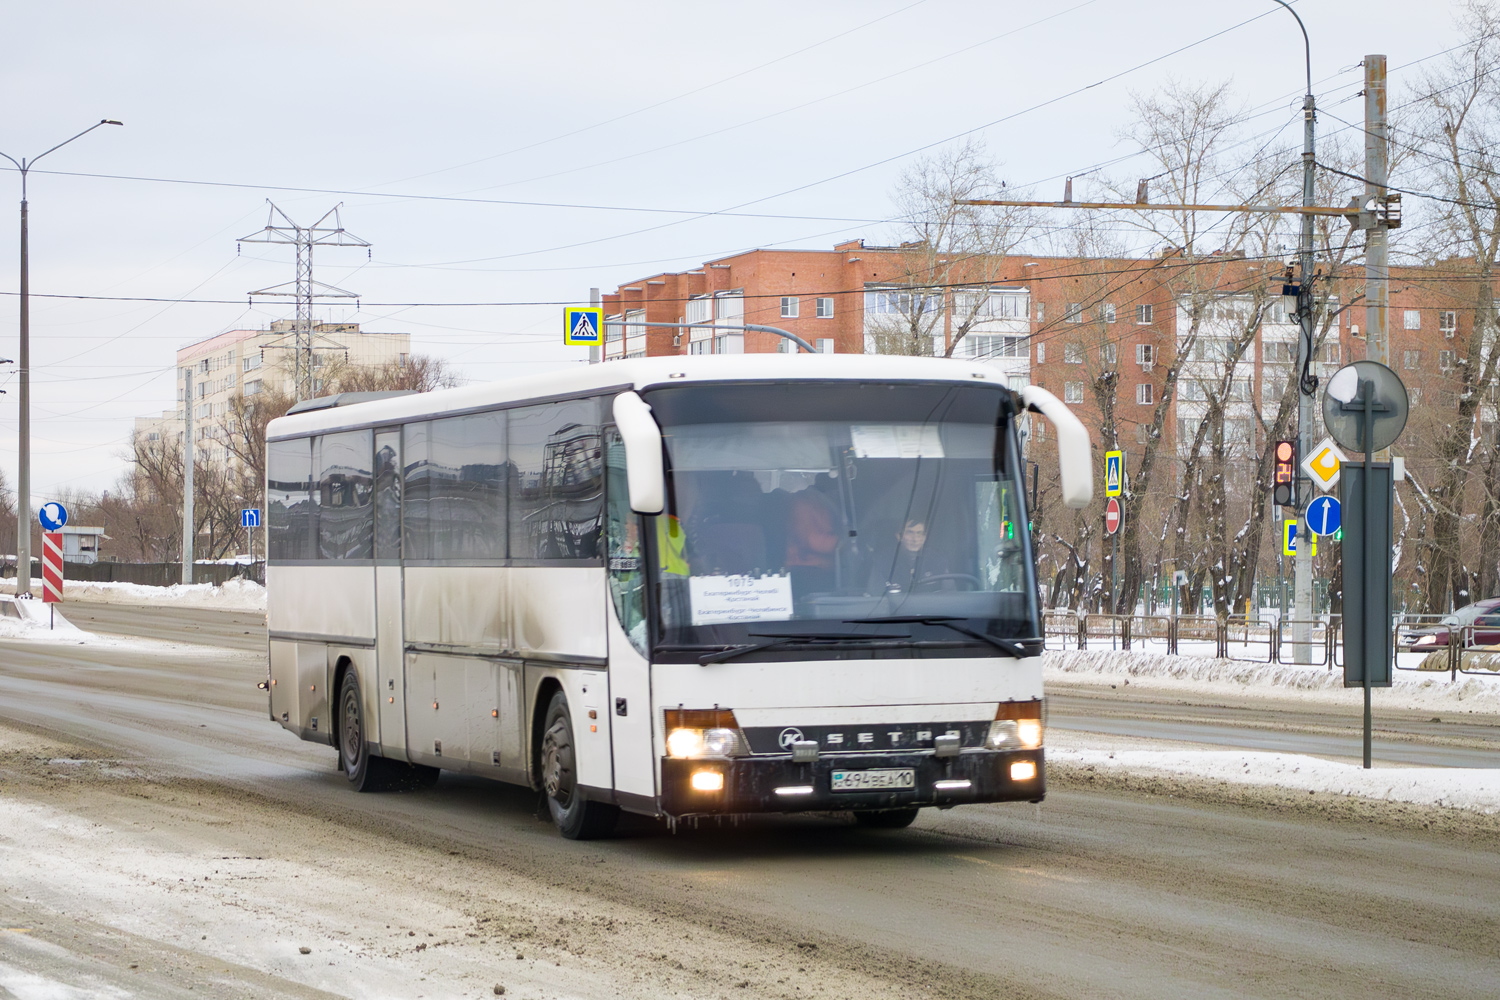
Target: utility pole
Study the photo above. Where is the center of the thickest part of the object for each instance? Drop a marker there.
(596, 351)
(304, 289)
(23, 471)
(1377, 237)
(1302, 597)
(23, 458)
(188, 522)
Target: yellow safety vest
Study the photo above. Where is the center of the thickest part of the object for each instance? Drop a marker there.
(671, 543)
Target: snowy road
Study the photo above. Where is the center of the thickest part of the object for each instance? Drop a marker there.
(160, 838)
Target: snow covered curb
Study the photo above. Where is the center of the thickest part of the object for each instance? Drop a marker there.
(31, 617)
(1472, 789)
(234, 595)
(1199, 676)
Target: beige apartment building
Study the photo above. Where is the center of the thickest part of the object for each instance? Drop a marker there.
(254, 361)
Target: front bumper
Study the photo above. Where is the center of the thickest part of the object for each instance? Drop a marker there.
(750, 783)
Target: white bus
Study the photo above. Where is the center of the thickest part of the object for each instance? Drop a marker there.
(677, 586)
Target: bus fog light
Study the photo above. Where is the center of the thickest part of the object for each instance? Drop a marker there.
(805, 751)
(952, 785)
(795, 790)
(685, 742)
(1030, 733)
(1020, 770)
(708, 781)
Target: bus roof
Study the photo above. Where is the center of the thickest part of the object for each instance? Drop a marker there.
(635, 373)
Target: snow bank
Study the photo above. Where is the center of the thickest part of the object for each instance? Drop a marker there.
(1474, 789)
(1205, 676)
(234, 595)
(33, 619)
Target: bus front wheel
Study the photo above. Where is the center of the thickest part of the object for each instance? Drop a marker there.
(576, 817)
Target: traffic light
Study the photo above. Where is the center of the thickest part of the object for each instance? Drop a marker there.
(1284, 488)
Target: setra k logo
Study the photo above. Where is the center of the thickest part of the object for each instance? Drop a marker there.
(788, 737)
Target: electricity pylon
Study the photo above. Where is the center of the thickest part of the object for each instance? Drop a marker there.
(304, 289)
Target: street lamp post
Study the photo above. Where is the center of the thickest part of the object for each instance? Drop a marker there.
(23, 472)
(1307, 383)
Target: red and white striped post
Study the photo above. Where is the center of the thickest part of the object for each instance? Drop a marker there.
(52, 569)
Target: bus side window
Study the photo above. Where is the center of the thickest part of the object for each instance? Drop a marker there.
(627, 585)
(555, 502)
(289, 501)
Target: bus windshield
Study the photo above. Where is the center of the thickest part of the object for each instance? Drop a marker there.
(839, 503)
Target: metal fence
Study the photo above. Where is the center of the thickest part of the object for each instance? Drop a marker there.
(147, 574)
(1238, 637)
(1459, 647)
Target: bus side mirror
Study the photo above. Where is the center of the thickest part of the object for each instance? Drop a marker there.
(644, 471)
(1074, 453)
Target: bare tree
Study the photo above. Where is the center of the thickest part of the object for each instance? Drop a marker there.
(1184, 129)
(1457, 118)
(951, 255)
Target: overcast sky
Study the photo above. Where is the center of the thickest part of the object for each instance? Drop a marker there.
(626, 125)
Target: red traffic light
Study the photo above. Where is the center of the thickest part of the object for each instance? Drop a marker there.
(1284, 478)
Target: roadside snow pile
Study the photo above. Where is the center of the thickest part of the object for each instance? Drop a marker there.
(1199, 676)
(34, 619)
(233, 595)
(1474, 789)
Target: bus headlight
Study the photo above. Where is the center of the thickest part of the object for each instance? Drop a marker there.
(704, 733)
(1003, 735)
(1017, 726)
(685, 742)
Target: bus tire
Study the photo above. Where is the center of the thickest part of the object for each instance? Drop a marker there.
(886, 819)
(366, 772)
(576, 817)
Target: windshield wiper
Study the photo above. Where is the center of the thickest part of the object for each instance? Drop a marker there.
(1004, 645)
(783, 638)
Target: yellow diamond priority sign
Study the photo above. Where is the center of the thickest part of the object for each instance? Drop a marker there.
(1322, 466)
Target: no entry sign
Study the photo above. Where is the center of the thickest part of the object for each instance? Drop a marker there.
(1112, 516)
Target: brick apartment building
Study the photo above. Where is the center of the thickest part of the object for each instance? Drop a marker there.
(1072, 325)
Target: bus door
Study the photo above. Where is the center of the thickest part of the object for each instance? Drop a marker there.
(389, 641)
(629, 700)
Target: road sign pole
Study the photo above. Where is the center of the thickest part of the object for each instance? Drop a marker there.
(1369, 406)
(1114, 567)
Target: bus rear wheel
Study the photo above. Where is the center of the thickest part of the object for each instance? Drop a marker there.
(886, 819)
(366, 772)
(576, 817)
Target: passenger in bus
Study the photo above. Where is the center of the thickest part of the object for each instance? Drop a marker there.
(811, 542)
(726, 536)
(913, 565)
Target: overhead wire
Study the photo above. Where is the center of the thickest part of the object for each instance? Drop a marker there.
(670, 100)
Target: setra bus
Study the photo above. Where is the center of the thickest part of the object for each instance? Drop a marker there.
(677, 586)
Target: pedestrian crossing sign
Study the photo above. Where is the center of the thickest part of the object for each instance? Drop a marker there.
(1289, 539)
(1114, 473)
(583, 327)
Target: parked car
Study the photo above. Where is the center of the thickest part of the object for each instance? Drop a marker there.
(1484, 616)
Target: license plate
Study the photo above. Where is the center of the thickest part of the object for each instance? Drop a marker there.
(875, 780)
